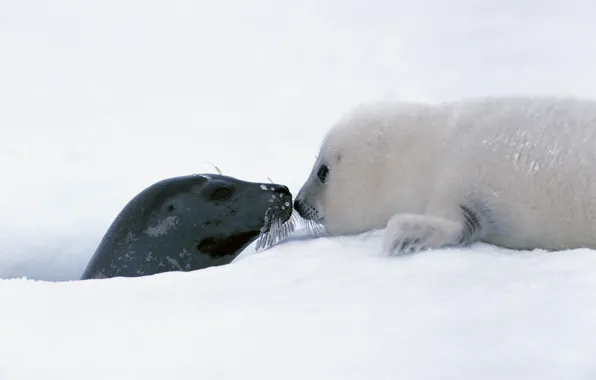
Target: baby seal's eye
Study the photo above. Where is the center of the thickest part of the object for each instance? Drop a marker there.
(322, 173)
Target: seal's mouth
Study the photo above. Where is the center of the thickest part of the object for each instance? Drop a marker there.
(220, 246)
(279, 221)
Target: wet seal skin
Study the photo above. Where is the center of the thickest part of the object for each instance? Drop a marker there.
(191, 222)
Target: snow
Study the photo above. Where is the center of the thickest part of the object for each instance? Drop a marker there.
(101, 99)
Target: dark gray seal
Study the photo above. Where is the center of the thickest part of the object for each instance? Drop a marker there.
(188, 223)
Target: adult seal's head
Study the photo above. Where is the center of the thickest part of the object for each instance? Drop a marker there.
(188, 223)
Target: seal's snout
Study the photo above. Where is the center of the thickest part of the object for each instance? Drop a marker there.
(278, 203)
(301, 208)
(278, 221)
(281, 189)
(307, 211)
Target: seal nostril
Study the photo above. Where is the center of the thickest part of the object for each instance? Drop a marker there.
(282, 189)
(171, 208)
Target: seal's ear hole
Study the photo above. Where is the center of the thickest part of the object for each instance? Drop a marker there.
(171, 208)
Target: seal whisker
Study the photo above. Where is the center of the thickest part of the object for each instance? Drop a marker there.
(313, 228)
(216, 168)
(278, 231)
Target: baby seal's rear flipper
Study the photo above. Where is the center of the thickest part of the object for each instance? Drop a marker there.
(408, 233)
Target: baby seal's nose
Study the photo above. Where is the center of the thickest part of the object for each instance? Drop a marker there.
(299, 206)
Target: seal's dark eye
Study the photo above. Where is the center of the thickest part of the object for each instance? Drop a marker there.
(322, 173)
(221, 193)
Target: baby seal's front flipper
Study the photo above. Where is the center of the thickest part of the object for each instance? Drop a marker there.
(409, 233)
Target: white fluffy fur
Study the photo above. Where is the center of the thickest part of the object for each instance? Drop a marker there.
(525, 166)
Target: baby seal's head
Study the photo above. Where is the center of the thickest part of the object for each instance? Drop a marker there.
(343, 191)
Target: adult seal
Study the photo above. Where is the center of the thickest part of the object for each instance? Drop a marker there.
(188, 223)
(514, 171)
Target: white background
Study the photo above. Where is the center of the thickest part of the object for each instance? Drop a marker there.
(100, 99)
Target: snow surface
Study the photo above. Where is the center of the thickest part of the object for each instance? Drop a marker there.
(101, 99)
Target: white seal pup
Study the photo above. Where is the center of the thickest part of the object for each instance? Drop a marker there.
(516, 172)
